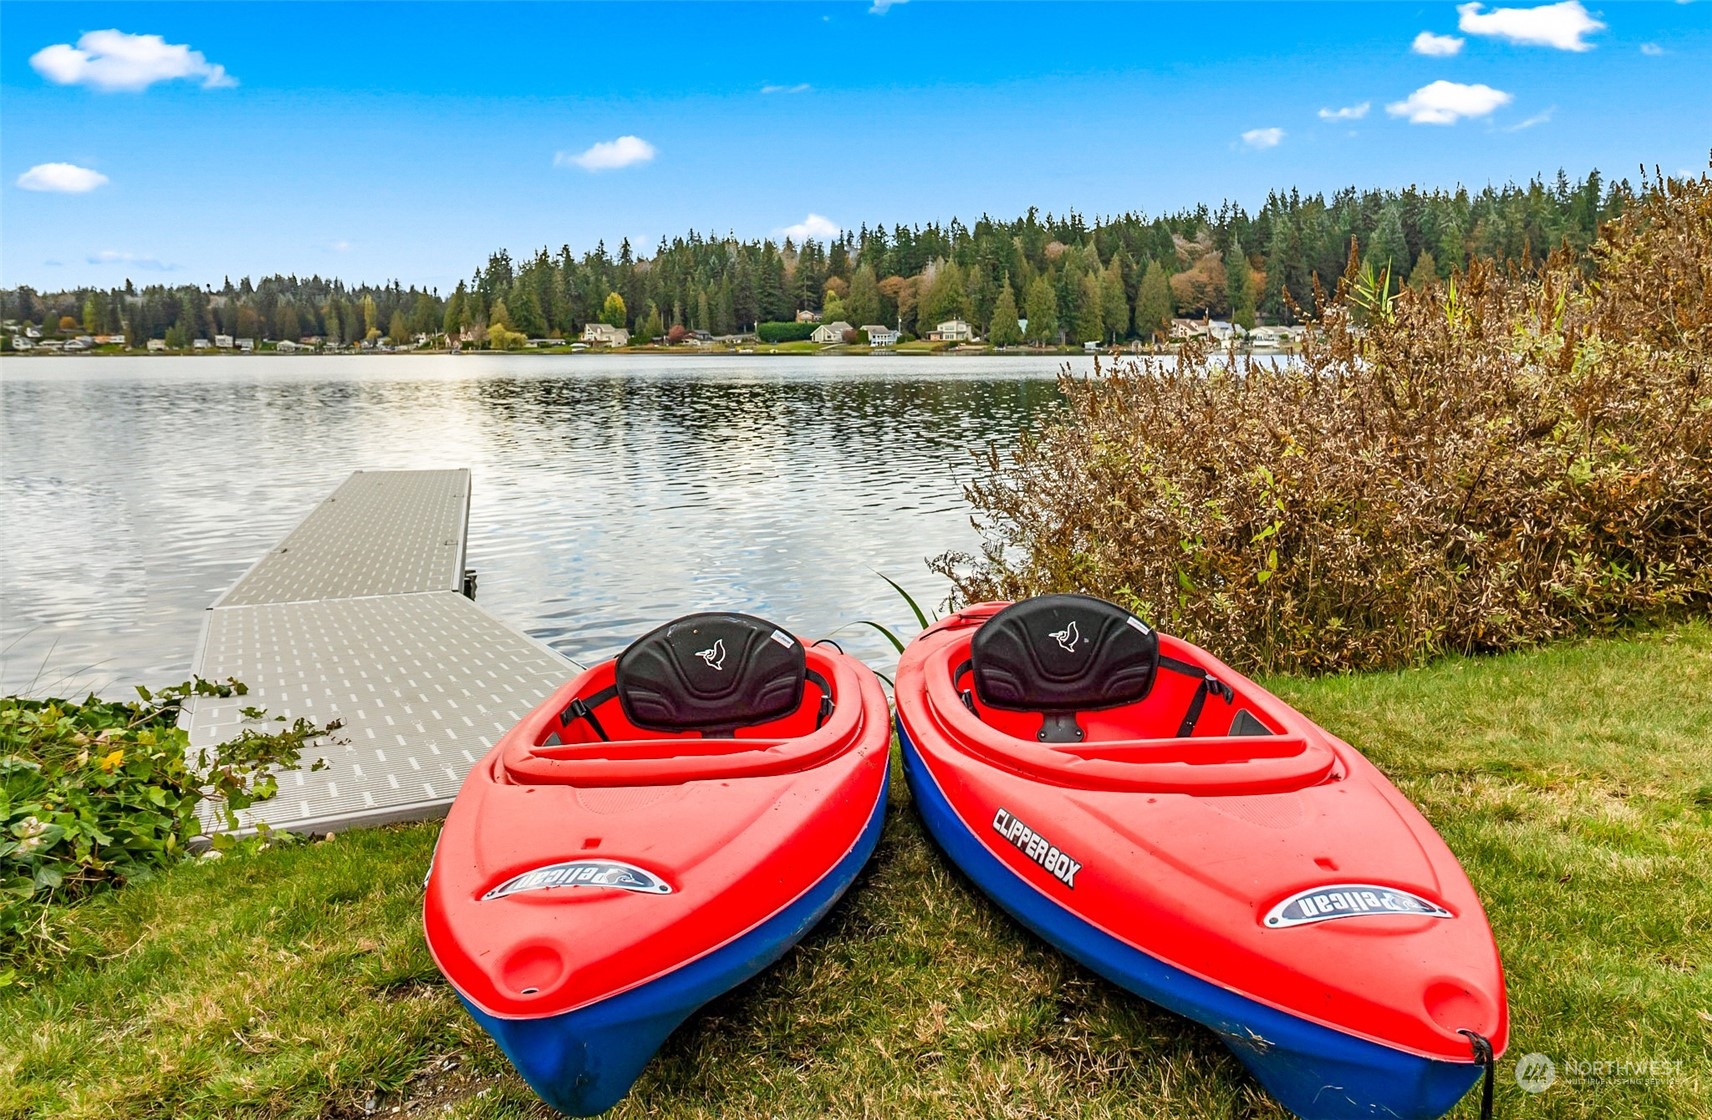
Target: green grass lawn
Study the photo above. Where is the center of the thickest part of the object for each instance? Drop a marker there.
(1575, 783)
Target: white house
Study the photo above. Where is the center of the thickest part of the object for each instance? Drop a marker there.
(605, 334)
(157, 344)
(831, 332)
(200, 344)
(223, 341)
(952, 330)
(881, 336)
(286, 346)
(19, 342)
(246, 345)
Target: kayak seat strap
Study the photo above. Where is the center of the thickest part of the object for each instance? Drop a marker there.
(583, 708)
(826, 705)
(1209, 683)
(966, 695)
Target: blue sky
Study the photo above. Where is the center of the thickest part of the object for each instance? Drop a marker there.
(407, 141)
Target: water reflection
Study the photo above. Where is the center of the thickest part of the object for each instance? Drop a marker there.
(609, 493)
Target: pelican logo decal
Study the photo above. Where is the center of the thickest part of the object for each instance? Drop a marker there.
(714, 656)
(1350, 900)
(1037, 847)
(1067, 637)
(582, 873)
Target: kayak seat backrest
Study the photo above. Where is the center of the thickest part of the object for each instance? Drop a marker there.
(710, 672)
(1063, 653)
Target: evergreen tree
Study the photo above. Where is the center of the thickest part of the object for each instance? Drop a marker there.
(1042, 305)
(863, 306)
(1153, 303)
(1239, 286)
(1426, 271)
(1114, 305)
(652, 326)
(1004, 330)
(1090, 321)
(396, 330)
(525, 307)
(944, 298)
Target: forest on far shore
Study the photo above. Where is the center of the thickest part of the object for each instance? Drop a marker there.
(1111, 279)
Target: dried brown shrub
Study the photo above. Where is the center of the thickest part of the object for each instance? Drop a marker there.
(1479, 465)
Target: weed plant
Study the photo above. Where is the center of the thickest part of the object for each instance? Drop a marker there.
(1504, 458)
(97, 793)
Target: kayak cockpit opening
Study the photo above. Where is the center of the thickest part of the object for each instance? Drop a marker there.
(713, 695)
(1076, 691)
(1063, 658)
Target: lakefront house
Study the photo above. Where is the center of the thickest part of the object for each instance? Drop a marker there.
(952, 330)
(831, 332)
(605, 334)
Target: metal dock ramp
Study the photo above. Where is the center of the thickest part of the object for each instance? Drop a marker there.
(359, 615)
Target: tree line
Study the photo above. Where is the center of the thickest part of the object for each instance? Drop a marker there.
(1067, 278)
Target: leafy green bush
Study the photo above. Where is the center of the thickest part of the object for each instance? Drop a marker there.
(96, 793)
(785, 332)
(1482, 464)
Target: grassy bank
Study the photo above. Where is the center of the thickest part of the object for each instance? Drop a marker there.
(1574, 782)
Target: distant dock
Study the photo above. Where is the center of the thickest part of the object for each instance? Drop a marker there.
(361, 615)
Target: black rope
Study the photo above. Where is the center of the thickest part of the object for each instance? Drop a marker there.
(1483, 1055)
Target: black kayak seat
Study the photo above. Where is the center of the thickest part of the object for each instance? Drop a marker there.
(711, 672)
(1062, 654)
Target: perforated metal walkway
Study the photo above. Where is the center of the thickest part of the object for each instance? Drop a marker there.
(359, 616)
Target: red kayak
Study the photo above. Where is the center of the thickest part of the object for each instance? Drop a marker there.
(1177, 828)
(660, 829)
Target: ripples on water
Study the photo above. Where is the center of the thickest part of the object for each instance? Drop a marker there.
(609, 494)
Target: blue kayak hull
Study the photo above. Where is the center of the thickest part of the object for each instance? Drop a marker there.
(582, 1062)
(1316, 1072)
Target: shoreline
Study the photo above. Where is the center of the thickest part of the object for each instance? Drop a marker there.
(673, 351)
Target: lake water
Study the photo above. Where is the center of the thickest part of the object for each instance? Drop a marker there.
(609, 493)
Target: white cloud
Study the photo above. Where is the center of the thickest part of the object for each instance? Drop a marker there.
(1551, 25)
(340, 246)
(1445, 102)
(65, 178)
(111, 256)
(881, 6)
(800, 87)
(815, 226)
(1347, 113)
(1538, 118)
(1651, 50)
(114, 60)
(609, 154)
(1263, 137)
(1436, 46)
